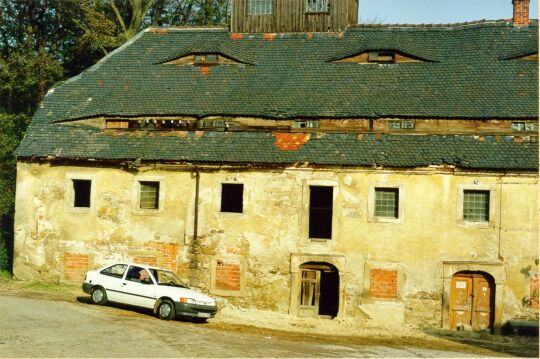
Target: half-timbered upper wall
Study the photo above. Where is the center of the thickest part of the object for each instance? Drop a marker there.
(269, 16)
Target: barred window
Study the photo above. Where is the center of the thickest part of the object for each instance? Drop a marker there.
(259, 7)
(317, 5)
(387, 202)
(476, 206)
(149, 195)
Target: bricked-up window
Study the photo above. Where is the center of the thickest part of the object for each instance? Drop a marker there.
(317, 6)
(383, 283)
(81, 192)
(320, 211)
(149, 195)
(476, 206)
(232, 197)
(259, 7)
(227, 276)
(387, 202)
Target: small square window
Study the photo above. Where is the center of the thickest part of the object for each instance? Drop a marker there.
(81, 191)
(232, 197)
(199, 59)
(211, 59)
(394, 125)
(408, 125)
(476, 206)
(381, 57)
(259, 7)
(317, 6)
(149, 195)
(531, 126)
(387, 202)
(518, 126)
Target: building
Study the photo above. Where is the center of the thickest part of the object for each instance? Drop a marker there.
(387, 171)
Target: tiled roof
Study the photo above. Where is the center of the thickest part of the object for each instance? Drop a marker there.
(470, 152)
(467, 75)
(291, 75)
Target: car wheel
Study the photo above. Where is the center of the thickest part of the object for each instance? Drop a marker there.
(98, 296)
(165, 310)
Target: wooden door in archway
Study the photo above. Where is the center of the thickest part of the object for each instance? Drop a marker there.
(471, 301)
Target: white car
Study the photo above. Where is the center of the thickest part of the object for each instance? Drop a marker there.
(148, 287)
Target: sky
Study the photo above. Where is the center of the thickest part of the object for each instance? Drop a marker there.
(436, 11)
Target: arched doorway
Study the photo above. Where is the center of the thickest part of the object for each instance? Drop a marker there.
(472, 298)
(319, 290)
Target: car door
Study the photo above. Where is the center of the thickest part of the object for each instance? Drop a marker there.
(135, 291)
(111, 278)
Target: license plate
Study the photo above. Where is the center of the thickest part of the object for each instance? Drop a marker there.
(203, 315)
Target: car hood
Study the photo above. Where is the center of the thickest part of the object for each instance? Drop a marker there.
(176, 293)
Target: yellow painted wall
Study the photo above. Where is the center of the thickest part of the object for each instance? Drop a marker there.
(274, 224)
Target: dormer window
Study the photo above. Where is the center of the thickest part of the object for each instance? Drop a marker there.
(259, 7)
(382, 57)
(401, 125)
(306, 124)
(529, 57)
(317, 6)
(204, 59)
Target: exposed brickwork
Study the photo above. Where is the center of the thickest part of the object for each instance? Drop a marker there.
(169, 251)
(521, 12)
(227, 276)
(290, 141)
(534, 291)
(383, 283)
(148, 260)
(75, 266)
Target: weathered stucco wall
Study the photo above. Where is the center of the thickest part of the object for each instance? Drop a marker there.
(254, 250)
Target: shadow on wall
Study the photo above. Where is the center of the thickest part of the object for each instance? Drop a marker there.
(515, 345)
(6, 243)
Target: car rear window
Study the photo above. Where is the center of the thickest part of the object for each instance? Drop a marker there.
(116, 270)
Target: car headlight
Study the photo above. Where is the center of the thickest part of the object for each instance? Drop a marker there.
(187, 300)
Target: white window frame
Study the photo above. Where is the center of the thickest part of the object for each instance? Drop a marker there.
(493, 194)
(136, 195)
(371, 203)
(259, 7)
(317, 6)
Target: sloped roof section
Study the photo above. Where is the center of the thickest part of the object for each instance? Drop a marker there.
(292, 75)
(262, 148)
(466, 74)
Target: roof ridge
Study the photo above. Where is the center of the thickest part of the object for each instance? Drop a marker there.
(164, 29)
(481, 22)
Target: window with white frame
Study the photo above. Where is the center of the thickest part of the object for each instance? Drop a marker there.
(317, 5)
(149, 195)
(259, 7)
(387, 202)
(476, 206)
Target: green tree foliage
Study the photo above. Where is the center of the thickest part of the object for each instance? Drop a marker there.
(46, 41)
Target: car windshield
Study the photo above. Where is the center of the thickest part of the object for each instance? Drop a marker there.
(164, 277)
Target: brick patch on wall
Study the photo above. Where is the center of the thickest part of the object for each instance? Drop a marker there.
(227, 276)
(534, 291)
(75, 266)
(383, 283)
(148, 260)
(169, 252)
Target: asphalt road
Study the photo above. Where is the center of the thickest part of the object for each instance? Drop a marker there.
(48, 328)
